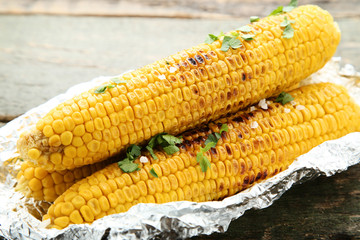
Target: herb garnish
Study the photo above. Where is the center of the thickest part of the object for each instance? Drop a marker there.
(284, 98)
(210, 142)
(248, 37)
(244, 29)
(132, 153)
(103, 88)
(166, 141)
(281, 9)
(152, 172)
(228, 42)
(254, 19)
(211, 38)
(289, 30)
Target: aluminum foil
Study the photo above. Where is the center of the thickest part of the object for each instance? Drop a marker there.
(20, 217)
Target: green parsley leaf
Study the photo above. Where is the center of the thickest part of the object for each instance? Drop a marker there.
(235, 43)
(286, 22)
(254, 19)
(293, 3)
(288, 32)
(167, 63)
(204, 161)
(152, 172)
(288, 8)
(284, 98)
(170, 139)
(128, 166)
(110, 86)
(248, 37)
(224, 128)
(133, 152)
(166, 141)
(217, 135)
(208, 146)
(151, 151)
(118, 80)
(171, 149)
(277, 11)
(101, 89)
(235, 34)
(211, 38)
(211, 138)
(225, 44)
(244, 29)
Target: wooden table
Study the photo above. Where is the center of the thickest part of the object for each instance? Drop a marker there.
(70, 42)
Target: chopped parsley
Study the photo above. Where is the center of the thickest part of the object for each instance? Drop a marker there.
(152, 172)
(288, 30)
(166, 141)
(211, 38)
(228, 42)
(244, 29)
(284, 9)
(254, 19)
(248, 37)
(284, 98)
(210, 142)
(128, 166)
(167, 63)
(101, 89)
(132, 153)
(293, 4)
(277, 11)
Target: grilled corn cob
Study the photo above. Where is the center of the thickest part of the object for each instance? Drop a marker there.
(257, 145)
(182, 91)
(41, 185)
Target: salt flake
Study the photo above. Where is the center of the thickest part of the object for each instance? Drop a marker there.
(293, 103)
(252, 108)
(162, 77)
(172, 69)
(300, 107)
(254, 124)
(263, 104)
(287, 110)
(144, 159)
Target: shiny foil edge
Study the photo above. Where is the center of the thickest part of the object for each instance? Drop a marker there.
(177, 219)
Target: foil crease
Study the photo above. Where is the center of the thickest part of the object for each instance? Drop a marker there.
(20, 217)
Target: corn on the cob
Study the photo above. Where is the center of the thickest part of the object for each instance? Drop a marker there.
(247, 153)
(182, 91)
(40, 184)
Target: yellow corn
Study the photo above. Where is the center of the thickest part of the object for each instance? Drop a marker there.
(182, 91)
(40, 184)
(258, 145)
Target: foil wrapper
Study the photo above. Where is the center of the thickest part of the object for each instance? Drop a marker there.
(20, 217)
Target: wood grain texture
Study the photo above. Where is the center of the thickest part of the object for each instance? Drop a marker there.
(165, 8)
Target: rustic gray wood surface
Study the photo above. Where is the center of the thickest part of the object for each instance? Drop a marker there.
(42, 55)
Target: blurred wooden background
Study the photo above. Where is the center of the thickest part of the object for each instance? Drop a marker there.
(47, 46)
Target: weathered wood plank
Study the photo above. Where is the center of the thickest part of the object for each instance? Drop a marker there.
(42, 56)
(164, 8)
(324, 208)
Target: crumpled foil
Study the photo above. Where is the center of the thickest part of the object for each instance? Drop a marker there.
(20, 217)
